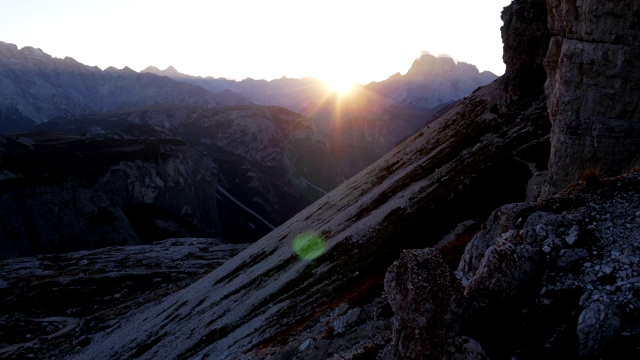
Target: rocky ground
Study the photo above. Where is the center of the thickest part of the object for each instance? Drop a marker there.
(52, 304)
(558, 279)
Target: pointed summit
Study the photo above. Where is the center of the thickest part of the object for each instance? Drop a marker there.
(151, 69)
(171, 71)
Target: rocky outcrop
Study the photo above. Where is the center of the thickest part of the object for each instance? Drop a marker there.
(592, 89)
(563, 274)
(42, 87)
(427, 303)
(556, 279)
(47, 300)
(63, 193)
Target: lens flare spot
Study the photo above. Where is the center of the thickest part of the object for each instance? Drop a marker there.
(308, 245)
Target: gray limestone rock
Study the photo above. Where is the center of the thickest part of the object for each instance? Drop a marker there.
(592, 89)
(427, 302)
(597, 325)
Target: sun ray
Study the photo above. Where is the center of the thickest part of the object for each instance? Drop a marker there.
(340, 85)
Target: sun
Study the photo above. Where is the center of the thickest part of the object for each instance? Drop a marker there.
(339, 84)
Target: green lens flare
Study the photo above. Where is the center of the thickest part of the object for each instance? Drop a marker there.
(308, 245)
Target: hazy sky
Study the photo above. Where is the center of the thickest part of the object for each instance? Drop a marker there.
(358, 40)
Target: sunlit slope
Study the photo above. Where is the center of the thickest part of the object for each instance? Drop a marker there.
(474, 158)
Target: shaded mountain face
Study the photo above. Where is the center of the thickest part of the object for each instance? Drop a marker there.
(272, 162)
(36, 86)
(63, 193)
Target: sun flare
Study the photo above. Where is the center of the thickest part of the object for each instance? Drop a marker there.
(339, 85)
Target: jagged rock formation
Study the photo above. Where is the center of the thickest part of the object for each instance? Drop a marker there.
(593, 89)
(62, 193)
(46, 299)
(525, 36)
(42, 87)
(427, 302)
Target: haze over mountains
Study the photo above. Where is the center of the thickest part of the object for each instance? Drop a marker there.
(429, 82)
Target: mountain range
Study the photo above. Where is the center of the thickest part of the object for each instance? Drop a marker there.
(40, 87)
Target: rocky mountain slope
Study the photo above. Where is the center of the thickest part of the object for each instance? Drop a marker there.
(41, 88)
(268, 301)
(558, 277)
(271, 161)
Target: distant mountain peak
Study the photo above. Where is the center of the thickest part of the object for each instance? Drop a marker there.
(429, 65)
(170, 71)
(151, 69)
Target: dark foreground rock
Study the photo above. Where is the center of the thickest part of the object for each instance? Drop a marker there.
(554, 279)
(54, 303)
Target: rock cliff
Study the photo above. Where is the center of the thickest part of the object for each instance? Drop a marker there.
(593, 89)
(63, 193)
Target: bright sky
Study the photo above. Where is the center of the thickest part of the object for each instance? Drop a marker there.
(358, 40)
